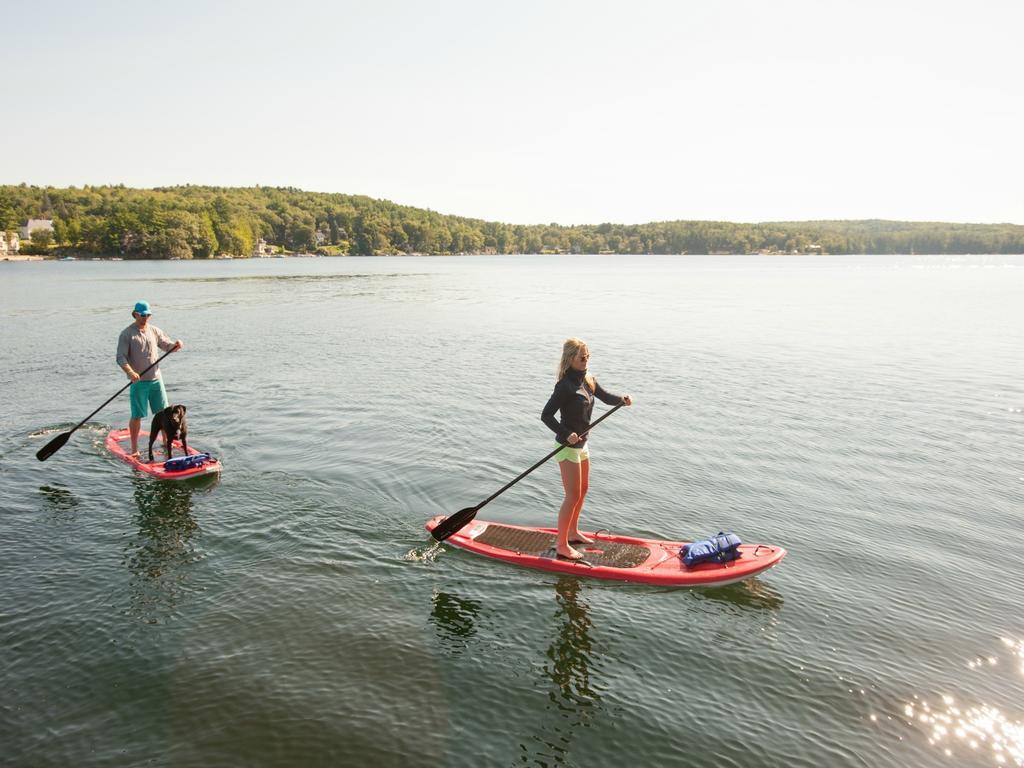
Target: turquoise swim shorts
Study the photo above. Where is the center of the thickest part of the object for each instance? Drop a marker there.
(151, 393)
(575, 455)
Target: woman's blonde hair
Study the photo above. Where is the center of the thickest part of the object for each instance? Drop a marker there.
(570, 349)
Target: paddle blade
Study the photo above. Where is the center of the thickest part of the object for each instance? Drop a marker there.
(53, 446)
(454, 523)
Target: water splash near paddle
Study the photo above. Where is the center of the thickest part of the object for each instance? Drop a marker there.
(424, 555)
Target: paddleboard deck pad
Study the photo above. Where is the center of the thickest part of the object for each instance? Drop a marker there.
(620, 558)
(119, 443)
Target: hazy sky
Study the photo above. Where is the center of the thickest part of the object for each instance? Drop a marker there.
(533, 112)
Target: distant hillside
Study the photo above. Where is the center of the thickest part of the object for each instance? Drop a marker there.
(201, 222)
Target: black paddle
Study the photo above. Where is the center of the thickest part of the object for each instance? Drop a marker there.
(460, 519)
(58, 442)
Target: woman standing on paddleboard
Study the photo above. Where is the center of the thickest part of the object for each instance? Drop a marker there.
(574, 398)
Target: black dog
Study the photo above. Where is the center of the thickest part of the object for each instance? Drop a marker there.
(170, 421)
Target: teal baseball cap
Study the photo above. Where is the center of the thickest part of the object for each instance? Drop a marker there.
(142, 307)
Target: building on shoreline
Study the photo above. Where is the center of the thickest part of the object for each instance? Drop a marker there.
(263, 248)
(33, 225)
(10, 243)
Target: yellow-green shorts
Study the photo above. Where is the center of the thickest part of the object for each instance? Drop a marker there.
(575, 455)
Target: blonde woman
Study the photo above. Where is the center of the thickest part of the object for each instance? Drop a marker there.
(573, 398)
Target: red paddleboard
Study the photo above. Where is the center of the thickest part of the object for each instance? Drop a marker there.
(119, 443)
(621, 558)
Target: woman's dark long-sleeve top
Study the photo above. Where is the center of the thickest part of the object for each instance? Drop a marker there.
(574, 398)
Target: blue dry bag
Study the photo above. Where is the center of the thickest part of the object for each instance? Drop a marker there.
(181, 463)
(715, 549)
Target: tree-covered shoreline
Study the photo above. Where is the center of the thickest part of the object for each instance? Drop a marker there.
(202, 222)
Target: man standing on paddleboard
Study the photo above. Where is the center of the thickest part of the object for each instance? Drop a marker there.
(137, 349)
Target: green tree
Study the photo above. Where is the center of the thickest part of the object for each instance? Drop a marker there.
(38, 243)
(8, 211)
(301, 236)
(171, 243)
(42, 239)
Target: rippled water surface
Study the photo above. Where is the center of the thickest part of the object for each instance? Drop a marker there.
(866, 413)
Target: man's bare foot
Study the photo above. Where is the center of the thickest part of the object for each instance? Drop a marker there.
(579, 538)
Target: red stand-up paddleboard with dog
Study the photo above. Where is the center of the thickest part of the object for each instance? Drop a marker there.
(621, 558)
(119, 443)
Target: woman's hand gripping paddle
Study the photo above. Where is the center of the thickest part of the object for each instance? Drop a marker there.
(460, 519)
(58, 442)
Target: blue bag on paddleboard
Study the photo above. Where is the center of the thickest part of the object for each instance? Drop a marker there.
(716, 549)
(180, 463)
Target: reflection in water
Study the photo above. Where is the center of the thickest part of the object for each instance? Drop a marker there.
(953, 727)
(752, 593)
(570, 661)
(58, 499)
(455, 618)
(159, 554)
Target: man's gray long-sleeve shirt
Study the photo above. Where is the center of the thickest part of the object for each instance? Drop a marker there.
(140, 349)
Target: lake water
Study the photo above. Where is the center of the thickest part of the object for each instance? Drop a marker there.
(866, 413)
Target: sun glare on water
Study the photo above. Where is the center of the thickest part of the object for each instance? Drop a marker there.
(952, 727)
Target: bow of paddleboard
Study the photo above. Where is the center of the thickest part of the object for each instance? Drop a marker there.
(119, 443)
(620, 558)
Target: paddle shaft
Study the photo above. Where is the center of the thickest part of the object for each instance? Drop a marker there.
(460, 519)
(524, 474)
(55, 445)
(122, 389)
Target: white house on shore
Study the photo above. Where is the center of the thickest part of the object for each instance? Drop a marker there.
(33, 225)
(10, 243)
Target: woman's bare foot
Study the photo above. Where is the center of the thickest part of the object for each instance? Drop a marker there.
(579, 538)
(571, 554)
